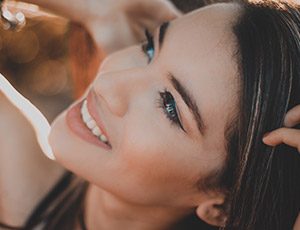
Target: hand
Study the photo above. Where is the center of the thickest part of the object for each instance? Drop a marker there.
(113, 24)
(288, 136)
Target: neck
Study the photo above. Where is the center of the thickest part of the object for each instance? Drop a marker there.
(106, 212)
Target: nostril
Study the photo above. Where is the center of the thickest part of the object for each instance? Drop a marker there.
(119, 88)
(110, 90)
(110, 97)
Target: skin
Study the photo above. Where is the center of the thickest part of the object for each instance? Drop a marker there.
(148, 179)
(19, 164)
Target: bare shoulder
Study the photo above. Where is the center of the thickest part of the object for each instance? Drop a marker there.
(25, 174)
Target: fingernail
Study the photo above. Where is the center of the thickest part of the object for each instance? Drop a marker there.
(265, 138)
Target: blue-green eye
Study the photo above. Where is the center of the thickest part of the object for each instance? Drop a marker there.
(148, 46)
(168, 104)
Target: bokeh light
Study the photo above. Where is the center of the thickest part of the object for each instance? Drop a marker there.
(35, 58)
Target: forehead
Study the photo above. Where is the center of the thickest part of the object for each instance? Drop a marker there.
(199, 50)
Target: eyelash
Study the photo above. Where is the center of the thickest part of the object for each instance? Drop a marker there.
(148, 46)
(167, 103)
(166, 100)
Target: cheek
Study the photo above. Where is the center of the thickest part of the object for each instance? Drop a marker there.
(155, 162)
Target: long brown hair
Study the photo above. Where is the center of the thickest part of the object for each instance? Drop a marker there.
(263, 182)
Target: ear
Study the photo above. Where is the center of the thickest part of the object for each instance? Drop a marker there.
(212, 211)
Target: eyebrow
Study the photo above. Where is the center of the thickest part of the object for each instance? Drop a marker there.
(190, 102)
(184, 93)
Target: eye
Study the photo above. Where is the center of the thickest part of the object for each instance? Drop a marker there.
(168, 104)
(148, 46)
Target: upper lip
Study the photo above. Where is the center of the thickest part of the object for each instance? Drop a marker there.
(94, 113)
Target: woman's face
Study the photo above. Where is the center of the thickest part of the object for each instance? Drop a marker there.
(164, 120)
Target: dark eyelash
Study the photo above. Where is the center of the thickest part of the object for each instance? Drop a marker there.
(168, 104)
(148, 46)
(149, 38)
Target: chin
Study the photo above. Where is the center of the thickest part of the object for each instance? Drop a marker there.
(62, 142)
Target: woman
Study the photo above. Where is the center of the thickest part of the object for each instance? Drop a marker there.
(179, 127)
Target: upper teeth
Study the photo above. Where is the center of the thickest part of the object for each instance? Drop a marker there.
(91, 123)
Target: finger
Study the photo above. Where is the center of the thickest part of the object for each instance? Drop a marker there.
(292, 117)
(287, 136)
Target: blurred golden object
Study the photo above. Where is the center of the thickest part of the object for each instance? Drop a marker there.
(24, 55)
(35, 59)
(49, 78)
(22, 47)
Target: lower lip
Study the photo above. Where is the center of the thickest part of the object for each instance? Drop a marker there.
(76, 125)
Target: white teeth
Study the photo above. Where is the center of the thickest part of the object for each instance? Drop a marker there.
(91, 123)
(85, 113)
(86, 117)
(84, 106)
(103, 138)
(96, 131)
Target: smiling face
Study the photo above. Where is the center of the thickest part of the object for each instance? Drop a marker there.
(165, 120)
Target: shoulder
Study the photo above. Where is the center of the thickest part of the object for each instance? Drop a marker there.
(25, 174)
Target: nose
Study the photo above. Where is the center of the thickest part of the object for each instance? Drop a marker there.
(118, 89)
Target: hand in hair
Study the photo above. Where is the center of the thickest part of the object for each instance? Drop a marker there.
(286, 135)
(113, 24)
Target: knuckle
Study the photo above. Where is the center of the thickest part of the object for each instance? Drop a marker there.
(279, 132)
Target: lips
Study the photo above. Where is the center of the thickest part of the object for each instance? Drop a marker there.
(79, 128)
